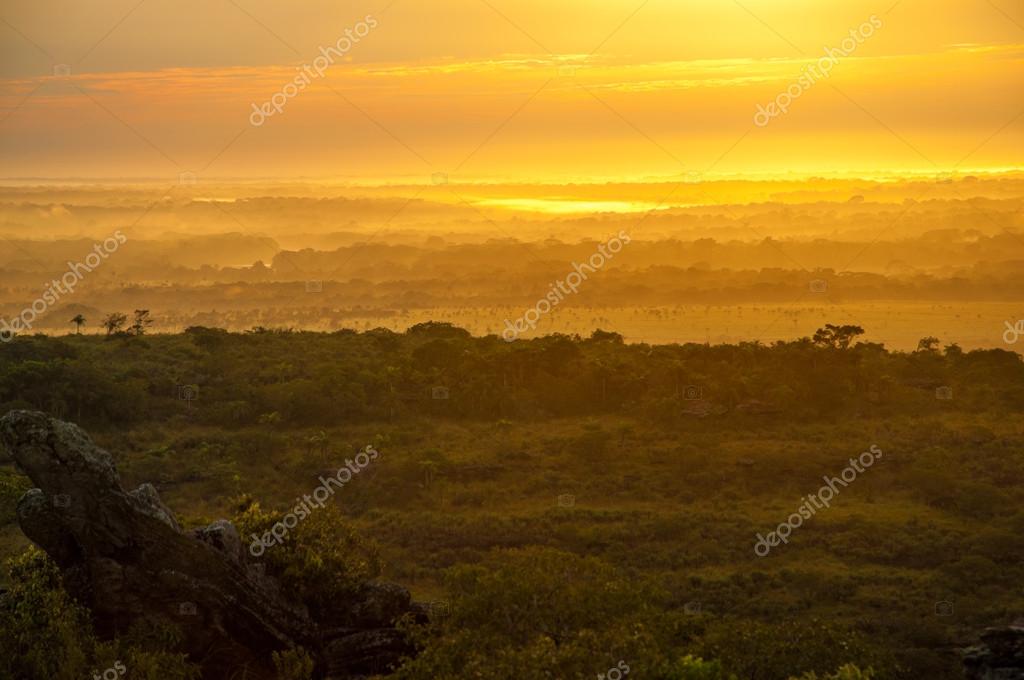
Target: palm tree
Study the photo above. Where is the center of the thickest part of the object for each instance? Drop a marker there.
(79, 320)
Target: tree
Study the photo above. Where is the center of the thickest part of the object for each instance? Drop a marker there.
(114, 323)
(929, 345)
(606, 336)
(836, 337)
(141, 322)
(79, 321)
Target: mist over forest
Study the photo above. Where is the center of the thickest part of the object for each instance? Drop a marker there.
(246, 255)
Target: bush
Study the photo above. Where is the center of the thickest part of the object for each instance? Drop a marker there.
(847, 672)
(537, 613)
(12, 487)
(761, 651)
(322, 559)
(691, 668)
(46, 635)
(294, 664)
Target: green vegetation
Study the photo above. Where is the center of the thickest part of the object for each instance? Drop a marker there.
(296, 664)
(323, 561)
(668, 461)
(46, 634)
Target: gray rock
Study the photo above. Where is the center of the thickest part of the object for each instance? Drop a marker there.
(223, 536)
(149, 502)
(124, 555)
(1000, 656)
(380, 605)
(368, 652)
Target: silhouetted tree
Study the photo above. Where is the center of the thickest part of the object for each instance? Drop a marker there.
(141, 322)
(79, 320)
(836, 337)
(114, 323)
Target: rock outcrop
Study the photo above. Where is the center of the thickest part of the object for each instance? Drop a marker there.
(124, 555)
(1000, 656)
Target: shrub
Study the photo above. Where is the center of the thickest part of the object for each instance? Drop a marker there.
(47, 635)
(322, 559)
(293, 664)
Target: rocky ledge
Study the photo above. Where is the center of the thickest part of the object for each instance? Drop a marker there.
(124, 555)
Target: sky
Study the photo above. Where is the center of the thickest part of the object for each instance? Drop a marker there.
(503, 90)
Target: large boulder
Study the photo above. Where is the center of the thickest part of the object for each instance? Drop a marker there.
(999, 656)
(124, 555)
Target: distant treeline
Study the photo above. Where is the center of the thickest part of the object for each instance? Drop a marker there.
(436, 370)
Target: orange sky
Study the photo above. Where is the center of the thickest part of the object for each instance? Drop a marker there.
(525, 89)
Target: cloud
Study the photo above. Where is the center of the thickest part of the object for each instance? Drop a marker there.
(946, 101)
